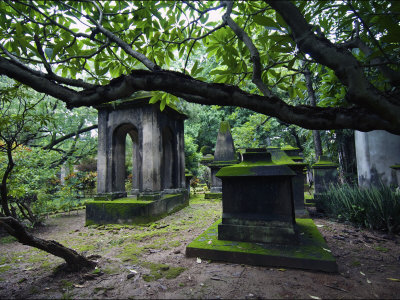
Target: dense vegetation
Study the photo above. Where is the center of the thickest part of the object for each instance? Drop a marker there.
(304, 73)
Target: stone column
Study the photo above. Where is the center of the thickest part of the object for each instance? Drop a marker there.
(103, 155)
(224, 155)
(376, 152)
(151, 155)
(325, 173)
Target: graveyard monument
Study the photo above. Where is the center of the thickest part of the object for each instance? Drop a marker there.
(158, 175)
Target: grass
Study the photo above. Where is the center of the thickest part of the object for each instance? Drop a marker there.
(374, 208)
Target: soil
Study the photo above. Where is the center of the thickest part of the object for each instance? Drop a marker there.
(149, 262)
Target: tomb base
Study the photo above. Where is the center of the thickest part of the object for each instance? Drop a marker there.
(132, 210)
(257, 234)
(213, 195)
(310, 253)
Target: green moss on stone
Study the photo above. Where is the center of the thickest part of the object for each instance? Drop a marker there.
(224, 127)
(323, 162)
(289, 147)
(396, 167)
(312, 245)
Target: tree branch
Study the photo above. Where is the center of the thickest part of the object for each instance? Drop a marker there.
(67, 136)
(346, 67)
(254, 54)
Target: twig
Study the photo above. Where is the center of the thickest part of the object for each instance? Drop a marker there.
(335, 288)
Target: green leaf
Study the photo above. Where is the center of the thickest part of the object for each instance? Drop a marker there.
(265, 21)
(154, 99)
(163, 103)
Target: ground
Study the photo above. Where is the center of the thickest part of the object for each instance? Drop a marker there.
(149, 262)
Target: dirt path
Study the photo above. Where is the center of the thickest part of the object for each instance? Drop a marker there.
(149, 262)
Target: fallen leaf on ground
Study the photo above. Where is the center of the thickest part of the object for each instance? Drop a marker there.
(362, 273)
(393, 279)
(314, 297)
(368, 281)
(327, 250)
(281, 269)
(198, 260)
(78, 286)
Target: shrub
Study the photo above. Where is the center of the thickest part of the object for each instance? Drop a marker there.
(374, 208)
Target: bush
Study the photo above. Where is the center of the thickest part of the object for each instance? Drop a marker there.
(374, 208)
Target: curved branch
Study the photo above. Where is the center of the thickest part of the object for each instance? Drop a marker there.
(254, 54)
(67, 136)
(346, 67)
(139, 56)
(68, 81)
(201, 92)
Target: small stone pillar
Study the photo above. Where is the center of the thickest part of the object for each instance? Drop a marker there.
(63, 173)
(188, 177)
(257, 202)
(298, 180)
(325, 173)
(224, 155)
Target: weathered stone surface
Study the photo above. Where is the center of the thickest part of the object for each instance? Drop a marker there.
(257, 200)
(132, 211)
(376, 152)
(298, 166)
(325, 174)
(224, 155)
(311, 251)
(158, 147)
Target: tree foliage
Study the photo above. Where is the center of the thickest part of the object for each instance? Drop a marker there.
(89, 52)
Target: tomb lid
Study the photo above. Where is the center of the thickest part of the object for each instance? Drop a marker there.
(289, 147)
(281, 158)
(256, 163)
(140, 98)
(293, 153)
(323, 163)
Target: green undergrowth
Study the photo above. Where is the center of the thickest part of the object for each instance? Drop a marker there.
(373, 208)
(8, 239)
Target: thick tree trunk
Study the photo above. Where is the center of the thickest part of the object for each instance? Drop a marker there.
(74, 260)
(3, 186)
(347, 156)
(313, 102)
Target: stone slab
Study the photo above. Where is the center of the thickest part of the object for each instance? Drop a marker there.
(133, 211)
(311, 253)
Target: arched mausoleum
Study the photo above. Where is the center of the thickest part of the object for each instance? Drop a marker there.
(158, 149)
(158, 162)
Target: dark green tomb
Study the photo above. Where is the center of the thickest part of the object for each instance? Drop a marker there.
(258, 224)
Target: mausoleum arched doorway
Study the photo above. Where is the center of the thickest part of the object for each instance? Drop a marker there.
(119, 144)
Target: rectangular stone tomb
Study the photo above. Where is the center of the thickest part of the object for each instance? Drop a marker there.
(310, 253)
(257, 200)
(133, 211)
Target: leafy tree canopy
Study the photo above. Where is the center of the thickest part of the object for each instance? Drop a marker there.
(89, 52)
